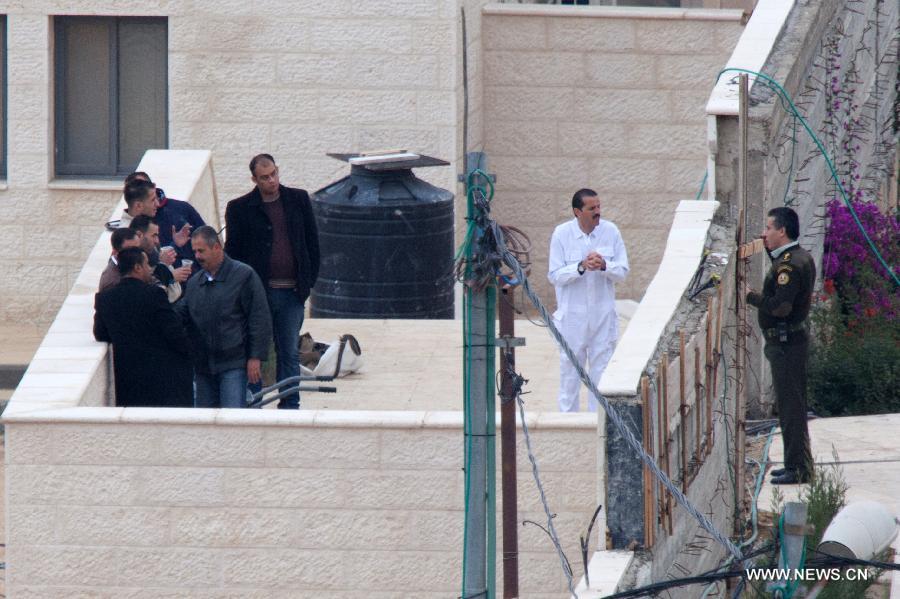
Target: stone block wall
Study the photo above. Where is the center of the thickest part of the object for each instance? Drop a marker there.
(117, 502)
(303, 79)
(611, 98)
(296, 79)
(607, 98)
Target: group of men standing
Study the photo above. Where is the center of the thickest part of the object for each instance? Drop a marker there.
(184, 311)
(210, 309)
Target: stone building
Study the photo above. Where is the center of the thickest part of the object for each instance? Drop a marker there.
(560, 97)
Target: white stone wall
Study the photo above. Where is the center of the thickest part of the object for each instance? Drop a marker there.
(111, 503)
(604, 99)
(300, 79)
(612, 99)
(293, 78)
(45, 234)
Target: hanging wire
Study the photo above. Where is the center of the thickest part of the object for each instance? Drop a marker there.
(483, 266)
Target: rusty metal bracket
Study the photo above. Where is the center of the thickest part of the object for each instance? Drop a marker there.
(507, 342)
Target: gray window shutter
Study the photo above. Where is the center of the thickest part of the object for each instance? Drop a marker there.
(85, 80)
(111, 93)
(142, 89)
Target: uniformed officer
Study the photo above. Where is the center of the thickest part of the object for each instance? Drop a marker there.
(783, 307)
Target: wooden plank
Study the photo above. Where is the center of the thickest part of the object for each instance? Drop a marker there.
(649, 523)
(664, 368)
(707, 382)
(682, 411)
(698, 411)
(660, 442)
(740, 270)
(751, 248)
(715, 360)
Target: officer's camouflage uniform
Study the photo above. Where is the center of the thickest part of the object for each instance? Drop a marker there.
(783, 307)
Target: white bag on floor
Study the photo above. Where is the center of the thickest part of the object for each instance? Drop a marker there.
(339, 359)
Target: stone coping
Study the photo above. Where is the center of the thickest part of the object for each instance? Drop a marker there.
(86, 184)
(614, 12)
(606, 569)
(69, 368)
(752, 51)
(684, 248)
(60, 413)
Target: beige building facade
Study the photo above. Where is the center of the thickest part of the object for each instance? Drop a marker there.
(559, 97)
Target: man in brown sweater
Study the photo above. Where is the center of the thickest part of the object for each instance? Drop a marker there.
(273, 229)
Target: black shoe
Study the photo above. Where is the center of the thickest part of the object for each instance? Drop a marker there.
(791, 478)
(778, 471)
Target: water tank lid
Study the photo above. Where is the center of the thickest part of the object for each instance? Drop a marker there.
(389, 161)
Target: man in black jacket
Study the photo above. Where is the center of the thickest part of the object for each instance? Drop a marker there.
(273, 229)
(228, 319)
(150, 346)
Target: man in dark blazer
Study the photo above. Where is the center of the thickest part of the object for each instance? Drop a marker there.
(273, 229)
(150, 346)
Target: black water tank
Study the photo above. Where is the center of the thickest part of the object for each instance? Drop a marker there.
(386, 241)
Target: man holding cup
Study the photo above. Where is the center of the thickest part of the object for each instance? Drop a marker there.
(161, 259)
(176, 220)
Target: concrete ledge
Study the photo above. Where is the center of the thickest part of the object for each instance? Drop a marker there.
(752, 50)
(605, 570)
(684, 248)
(86, 184)
(614, 12)
(61, 412)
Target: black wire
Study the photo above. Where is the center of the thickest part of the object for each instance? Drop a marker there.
(547, 532)
(708, 576)
(652, 589)
(834, 560)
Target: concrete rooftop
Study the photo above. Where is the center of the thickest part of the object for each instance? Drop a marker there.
(417, 365)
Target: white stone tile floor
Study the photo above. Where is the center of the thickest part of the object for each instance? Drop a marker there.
(868, 452)
(417, 365)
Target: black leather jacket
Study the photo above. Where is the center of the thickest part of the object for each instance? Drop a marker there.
(248, 235)
(227, 318)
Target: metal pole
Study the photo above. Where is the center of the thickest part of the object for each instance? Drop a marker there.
(480, 426)
(508, 449)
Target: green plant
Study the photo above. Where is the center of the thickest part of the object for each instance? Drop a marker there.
(854, 364)
(824, 497)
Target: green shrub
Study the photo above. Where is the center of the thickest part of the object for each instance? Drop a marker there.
(854, 363)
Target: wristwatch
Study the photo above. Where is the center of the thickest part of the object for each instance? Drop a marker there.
(581, 268)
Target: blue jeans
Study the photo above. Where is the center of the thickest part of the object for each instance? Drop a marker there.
(224, 390)
(287, 318)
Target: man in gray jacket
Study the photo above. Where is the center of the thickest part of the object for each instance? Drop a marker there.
(228, 319)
